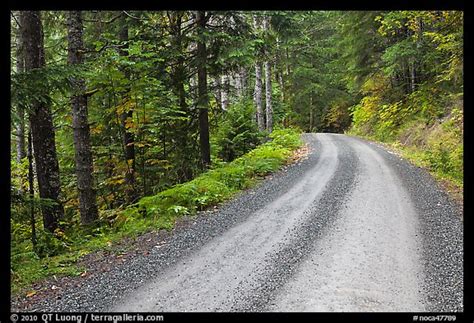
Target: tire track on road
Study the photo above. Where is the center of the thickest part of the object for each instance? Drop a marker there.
(207, 279)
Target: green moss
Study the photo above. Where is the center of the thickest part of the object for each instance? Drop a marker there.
(28, 268)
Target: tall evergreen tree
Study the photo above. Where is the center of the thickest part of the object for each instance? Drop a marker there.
(179, 79)
(20, 127)
(268, 81)
(203, 99)
(128, 138)
(258, 82)
(41, 122)
(80, 124)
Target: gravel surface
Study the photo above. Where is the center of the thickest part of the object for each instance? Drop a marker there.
(351, 228)
(368, 259)
(440, 233)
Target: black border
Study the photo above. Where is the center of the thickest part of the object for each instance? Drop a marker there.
(240, 5)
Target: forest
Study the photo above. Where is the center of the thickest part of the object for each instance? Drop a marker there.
(124, 121)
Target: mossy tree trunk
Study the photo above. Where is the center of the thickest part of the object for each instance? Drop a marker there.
(41, 122)
(203, 99)
(80, 124)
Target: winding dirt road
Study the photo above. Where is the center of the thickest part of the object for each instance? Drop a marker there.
(345, 237)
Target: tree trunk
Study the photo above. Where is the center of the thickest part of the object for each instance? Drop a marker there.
(258, 87)
(218, 85)
(20, 128)
(268, 97)
(279, 71)
(268, 85)
(179, 72)
(31, 191)
(128, 138)
(80, 125)
(225, 92)
(185, 169)
(203, 99)
(258, 96)
(413, 76)
(242, 82)
(44, 145)
(407, 78)
(418, 64)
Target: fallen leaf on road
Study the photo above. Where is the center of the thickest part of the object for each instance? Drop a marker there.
(29, 294)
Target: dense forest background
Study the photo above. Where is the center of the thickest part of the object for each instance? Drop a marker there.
(114, 109)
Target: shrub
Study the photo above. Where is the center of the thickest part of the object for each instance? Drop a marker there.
(445, 148)
(237, 133)
(287, 138)
(47, 244)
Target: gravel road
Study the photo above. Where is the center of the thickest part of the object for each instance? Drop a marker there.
(352, 227)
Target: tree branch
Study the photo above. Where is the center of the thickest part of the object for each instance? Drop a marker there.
(133, 17)
(91, 92)
(105, 22)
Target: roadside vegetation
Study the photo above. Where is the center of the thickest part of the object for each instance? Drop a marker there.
(413, 100)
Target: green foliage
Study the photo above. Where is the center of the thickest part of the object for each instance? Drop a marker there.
(27, 267)
(317, 79)
(237, 132)
(47, 244)
(338, 117)
(221, 183)
(364, 115)
(39, 84)
(360, 46)
(413, 99)
(445, 149)
(287, 138)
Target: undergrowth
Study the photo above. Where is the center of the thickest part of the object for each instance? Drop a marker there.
(436, 146)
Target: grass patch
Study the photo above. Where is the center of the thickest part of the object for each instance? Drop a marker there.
(450, 180)
(150, 213)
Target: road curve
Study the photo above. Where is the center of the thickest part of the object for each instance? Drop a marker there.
(369, 258)
(351, 228)
(345, 237)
